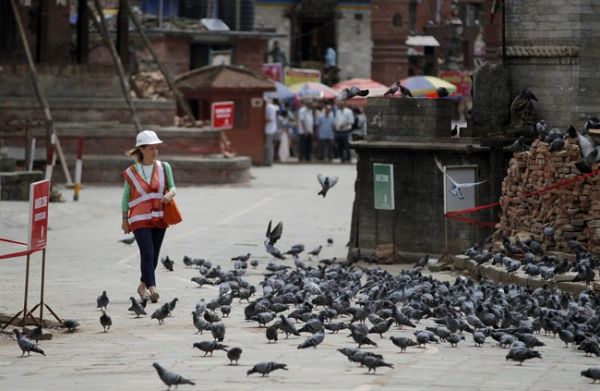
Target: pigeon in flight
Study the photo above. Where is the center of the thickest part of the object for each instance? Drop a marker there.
(456, 187)
(398, 87)
(349, 93)
(170, 378)
(26, 345)
(128, 241)
(265, 368)
(327, 182)
(273, 235)
(589, 153)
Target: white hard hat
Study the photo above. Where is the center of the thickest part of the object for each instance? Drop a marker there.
(147, 137)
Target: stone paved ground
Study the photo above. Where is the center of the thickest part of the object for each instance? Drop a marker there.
(84, 258)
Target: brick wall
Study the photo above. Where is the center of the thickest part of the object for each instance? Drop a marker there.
(389, 62)
(272, 16)
(562, 83)
(250, 52)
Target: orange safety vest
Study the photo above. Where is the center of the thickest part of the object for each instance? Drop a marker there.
(145, 208)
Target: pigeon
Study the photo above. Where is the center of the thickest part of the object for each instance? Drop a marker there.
(26, 345)
(70, 324)
(102, 300)
(405, 92)
(36, 333)
(273, 235)
(217, 330)
(592, 373)
(373, 363)
(161, 313)
(454, 131)
(327, 182)
(200, 323)
(254, 263)
(381, 327)
(540, 128)
(201, 280)
(209, 346)
(454, 339)
(329, 241)
(557, 144)
(349, 93)
(315, 252)
(295, 250)
(128, 241)
(136, 307)
(314, 340)
(234, 354)
(286, 326)
(265, 368)
(403, 342)
(456, 187)
(167, 263)
(274, 251)
(172, 305)
(105, 321)
(517, 146)
(170, 378)
(243, 258)
(211, 316)
(225, 310)
(271, 332)
(442, 92)
(526, 93)
(522, 354)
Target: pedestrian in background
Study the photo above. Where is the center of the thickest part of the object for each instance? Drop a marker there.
(306, 125)
(325, 133)
(148, 186)
(283, 150)
(270, 130)
(344, 120)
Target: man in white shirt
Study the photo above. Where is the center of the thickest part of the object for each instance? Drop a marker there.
(270, 130)
(344, 119)
(306, 123)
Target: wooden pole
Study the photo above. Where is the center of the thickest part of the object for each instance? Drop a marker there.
(178, 95)
(40, 96)
(103, 30)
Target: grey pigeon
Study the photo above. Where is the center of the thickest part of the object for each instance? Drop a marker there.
(274, 251)
(264, 317)
(201, 280)
(200, 323)
(105, 321)
(243, 258)
(454, 339)
(287, 327)
(209, 346)
(265, 368)
(102, 300)
(170, 378)
(161, 313)
(517, 146)
(315, 252)
(273, 235)
(592, 373)
(217, 330)
(172, 305)
(167, 263)
(128, 240)
(136, 307)
(314, 340)
(70, 324)
(373, 363)
(327, 182)
(403, 342)
(455, 190)
(36, 333)
(254, 263)
(334, 327)
(225, 310)
(349, 93)
(26, 345)
(271, 331)
(381, 327)
(522, 354)
(479, 338)
(234, 354)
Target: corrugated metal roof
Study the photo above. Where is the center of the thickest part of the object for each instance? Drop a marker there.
(223, 76)
(422, 40)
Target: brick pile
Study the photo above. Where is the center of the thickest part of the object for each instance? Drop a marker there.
(152, 85)
(573, 211)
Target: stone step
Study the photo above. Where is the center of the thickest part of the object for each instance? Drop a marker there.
(187, 170)
(15, 185)
(110, 138)
(88, 110)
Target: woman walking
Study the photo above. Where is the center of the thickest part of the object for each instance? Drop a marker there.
(148, 185)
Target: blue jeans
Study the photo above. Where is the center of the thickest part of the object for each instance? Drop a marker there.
(149, 241)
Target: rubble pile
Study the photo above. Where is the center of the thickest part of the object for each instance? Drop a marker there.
(152, 85)
(573, 211)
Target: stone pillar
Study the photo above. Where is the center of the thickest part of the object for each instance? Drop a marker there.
(389, 31)
(83, 32)
(492, 33)
(54, 34)
(123, 34)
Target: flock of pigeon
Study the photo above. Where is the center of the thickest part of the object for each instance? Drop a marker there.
(331, 296)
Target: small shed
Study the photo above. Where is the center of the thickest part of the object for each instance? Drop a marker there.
(204, 86)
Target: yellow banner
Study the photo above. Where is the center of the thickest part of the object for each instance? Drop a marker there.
(299, 75)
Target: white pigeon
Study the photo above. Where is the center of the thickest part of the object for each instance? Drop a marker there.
(456, 187)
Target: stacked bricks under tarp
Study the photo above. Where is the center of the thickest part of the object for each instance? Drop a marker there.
(573, 210)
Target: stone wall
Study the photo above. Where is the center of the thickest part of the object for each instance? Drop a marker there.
(573, 211)
(552, 49)
(272, 16)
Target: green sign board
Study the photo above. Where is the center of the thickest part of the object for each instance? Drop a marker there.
(383, 182)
